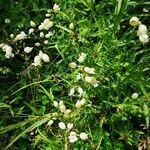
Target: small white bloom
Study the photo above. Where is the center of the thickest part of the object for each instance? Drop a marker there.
(55, 103)
(50, 122)
(20, 36)
(48, 35)
(82, 57)
(7, 21)
(2, 45)
(69, 126)
(144, 38)
(12, 36)
(31, 30)
(79, 76)
(48, 15)
(67, 112)
(82, 102)
(45, 58)
(32, 24)
(80, 91)
(56, 8)
(135, 95)
(62, 108)
(72, 137)
(72, 91)
(62, 125)
(46, 42)
(134, 21)
(28, 49)
(78, 104)
(71, 26)
(92, 81)
(61, 103)
(37, 61)
(142, 30)
(83, 136)
(72, 65)
(8, 51)
(89, 70)
(40, 27)
(42, 35)
(37, 44)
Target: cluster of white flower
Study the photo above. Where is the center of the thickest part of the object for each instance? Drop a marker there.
(20, 36)
(142, 29)
(39, 58)
(73, 136)
(80, 91)
(46, 24)
(61, 106)
(86, 71)
(8, 50)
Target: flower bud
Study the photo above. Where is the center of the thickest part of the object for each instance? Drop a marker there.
(134, 21)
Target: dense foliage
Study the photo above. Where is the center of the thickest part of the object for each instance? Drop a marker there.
(74, 75)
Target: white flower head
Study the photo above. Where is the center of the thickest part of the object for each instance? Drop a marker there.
(62, 125)
(20, 36)
(89, 70)
(135, 95)
(79, 76)
(72, 91)
(71, 26)
(69, 126)
(31, 30)
(67, 112)
(144, 38)
(61, 103)
(62, 108)
(28, 49)
(49, 34)
(72, 65)
(50, 122)
(134, 21)
(37, 44)
(7, 21)
(92, 81)
(82, 57)
(37, 61)
(12, 36)
(83, 136)
(56, 8)
(32, 24)
(55, 103)
(42, 35)
(142, 30)
(45, 58)
(46, 42)
(80, 91)
(72, 137)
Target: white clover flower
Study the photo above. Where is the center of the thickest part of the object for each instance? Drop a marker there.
(72, 91)
(135, 95)
(12, 36)
(56, 8)
(48, 15)
(48, 35)
(69, 126)
(67, 112)
(82, 57)
(92, 81)
(2, 45)
(42, 35)
(32, 24)
(46, 42)
(55, 103)
(83, 136)
(8, 51)
(72, 65)
(37, 44)
(89, 70)
(7, 21)
(62, 108)
(134, 21)
(79, 76)
(71, 26)
(80, 91)
(50, 122)
(45, 58)
(62, 125)
(144, 38)
(28, 49)
(142, 30)
(37, 61)
(72, 137)
(31, 30)
(20, 36)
